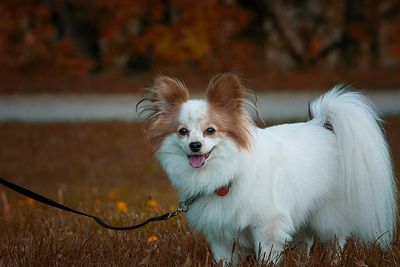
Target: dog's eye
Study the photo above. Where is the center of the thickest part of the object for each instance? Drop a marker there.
(210, 130)
(183, 131)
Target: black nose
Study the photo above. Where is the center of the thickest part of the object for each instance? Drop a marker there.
(195, 146)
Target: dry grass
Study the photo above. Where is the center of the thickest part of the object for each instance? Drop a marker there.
(104, 168)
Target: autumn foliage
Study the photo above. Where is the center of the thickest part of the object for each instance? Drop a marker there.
(78, 36)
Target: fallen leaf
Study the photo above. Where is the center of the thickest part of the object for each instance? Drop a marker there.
(152, 238)
(122, 207)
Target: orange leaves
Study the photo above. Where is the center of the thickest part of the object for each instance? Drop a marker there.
(152, 238)
(361, 33)
(112, 194)
(65, 61)
(152, 203)
(116, 17)
(193, 32)
(315, 45)
(28, 40)
(74, 37)
(26, 202)
(30, 202)
(122, 207)
(393, 37)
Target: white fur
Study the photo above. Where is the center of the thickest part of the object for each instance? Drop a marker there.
(294, 176)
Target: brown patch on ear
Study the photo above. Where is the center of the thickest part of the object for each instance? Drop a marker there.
(226, 91)
(226, 97)
(171, 93)
(160, 106)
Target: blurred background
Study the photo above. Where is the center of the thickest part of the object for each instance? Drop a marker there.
(70, 75)
(118, 46)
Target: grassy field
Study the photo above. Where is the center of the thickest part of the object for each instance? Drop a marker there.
(104, 168)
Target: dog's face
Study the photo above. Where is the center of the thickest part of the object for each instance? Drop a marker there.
(198, 136)
(198, 126)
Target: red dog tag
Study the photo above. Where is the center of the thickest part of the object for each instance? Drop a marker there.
(223, 191)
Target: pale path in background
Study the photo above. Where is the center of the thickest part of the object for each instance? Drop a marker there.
(57, 108)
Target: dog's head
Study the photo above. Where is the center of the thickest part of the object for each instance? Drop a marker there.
(197, 135)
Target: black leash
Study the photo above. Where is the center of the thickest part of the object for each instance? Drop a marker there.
(183, 207)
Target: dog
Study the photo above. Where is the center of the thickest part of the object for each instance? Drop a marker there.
(331, 175)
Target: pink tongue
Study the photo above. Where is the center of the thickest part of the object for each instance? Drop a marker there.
(197, 161)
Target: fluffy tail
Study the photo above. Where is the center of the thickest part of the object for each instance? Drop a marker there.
(366, 170)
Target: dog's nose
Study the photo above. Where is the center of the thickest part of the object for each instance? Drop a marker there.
(195, 146)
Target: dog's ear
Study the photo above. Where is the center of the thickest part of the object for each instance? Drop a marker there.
(164, 97)
(159, 106)
(226, 92)
(169, 94)
(228, 99)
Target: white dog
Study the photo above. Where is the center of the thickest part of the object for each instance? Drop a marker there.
(331, 175)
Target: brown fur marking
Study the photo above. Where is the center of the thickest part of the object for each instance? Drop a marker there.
(162, 104)
(226, 97)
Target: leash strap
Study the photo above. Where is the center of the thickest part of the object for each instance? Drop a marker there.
(183, 207)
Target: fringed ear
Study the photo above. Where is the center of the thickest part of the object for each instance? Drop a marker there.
(160, 107)
(226, 92)
(164, 97)
(229, 104)
(171, 93)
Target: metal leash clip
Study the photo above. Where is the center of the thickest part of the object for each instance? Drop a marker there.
(183, 206)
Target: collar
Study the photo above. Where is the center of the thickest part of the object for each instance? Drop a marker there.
(184, 205)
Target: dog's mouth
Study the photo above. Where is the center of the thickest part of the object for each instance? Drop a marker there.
(196, 161)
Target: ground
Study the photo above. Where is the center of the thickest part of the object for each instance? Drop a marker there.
(260, 80)
(105, 168)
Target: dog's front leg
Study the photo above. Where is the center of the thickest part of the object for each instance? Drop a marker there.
(222, 251)
(270, 239)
